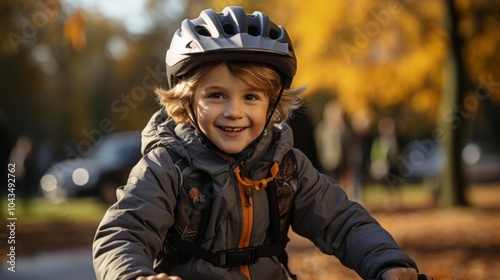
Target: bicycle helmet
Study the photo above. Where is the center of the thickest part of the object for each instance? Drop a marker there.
(230, 35)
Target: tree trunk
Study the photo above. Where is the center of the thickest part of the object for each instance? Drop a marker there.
(453, 117)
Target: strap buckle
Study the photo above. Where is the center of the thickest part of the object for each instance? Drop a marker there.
(237, 257)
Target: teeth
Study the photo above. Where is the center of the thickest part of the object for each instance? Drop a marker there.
(231, 129)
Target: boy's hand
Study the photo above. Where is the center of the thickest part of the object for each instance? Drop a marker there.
(161, 276)
(402, 273)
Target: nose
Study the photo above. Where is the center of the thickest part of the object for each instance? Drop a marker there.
(233, 110)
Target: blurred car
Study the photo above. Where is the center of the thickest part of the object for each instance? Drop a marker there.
(481, 162)
(105, 169)
(423, 159)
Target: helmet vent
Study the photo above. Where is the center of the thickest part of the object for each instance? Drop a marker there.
(253, 30)
(274, 34)
(229, 29)
(202, 30)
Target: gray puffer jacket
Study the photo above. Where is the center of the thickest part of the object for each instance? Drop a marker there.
(132, 231)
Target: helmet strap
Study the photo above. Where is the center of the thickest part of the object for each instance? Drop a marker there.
(275, 105)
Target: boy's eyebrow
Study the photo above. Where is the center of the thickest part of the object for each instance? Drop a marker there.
(223, 88)
(212, 87)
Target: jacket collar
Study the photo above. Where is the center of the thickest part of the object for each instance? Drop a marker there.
(161, 130)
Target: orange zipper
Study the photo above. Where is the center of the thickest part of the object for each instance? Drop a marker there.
(245, 188)
(247, 222)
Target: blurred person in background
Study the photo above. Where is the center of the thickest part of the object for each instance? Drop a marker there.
(384, 150)
(23, 155)
(331, 135)
(5, 149)
(384, 155)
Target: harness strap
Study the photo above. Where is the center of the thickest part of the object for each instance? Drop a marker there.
(178, 250)
(274, 227)
(227, 258)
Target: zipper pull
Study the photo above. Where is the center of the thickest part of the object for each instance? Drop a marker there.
(248, 192)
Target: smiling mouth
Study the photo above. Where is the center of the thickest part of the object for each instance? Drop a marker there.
(232, 129)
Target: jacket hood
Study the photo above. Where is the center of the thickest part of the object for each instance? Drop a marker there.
(162, 130)
(159, 131)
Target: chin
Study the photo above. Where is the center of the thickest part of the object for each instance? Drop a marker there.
(232, 152)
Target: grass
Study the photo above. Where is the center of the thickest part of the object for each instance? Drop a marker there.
(409, 195)
(38, 210)
(381, 196)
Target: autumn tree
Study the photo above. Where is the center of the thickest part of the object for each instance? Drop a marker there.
(469, 85)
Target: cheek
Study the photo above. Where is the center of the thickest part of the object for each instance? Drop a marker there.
(198, 113)
(260, 115)
(200, 109)
(206, 117)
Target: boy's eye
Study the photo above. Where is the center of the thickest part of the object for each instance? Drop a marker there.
(252, 96)
(216, 95)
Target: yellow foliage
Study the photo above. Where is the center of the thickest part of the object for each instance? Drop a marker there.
(74, 30)
(370, 52)
(375, 52)
(425, 100)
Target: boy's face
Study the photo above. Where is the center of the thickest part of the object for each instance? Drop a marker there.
(228, 111)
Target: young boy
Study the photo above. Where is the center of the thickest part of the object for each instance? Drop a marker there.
(223, 129)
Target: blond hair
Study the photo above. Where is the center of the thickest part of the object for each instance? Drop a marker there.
(255, 75)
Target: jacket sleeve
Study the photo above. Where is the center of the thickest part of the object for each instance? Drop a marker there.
(132, 231)
(340, 227)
